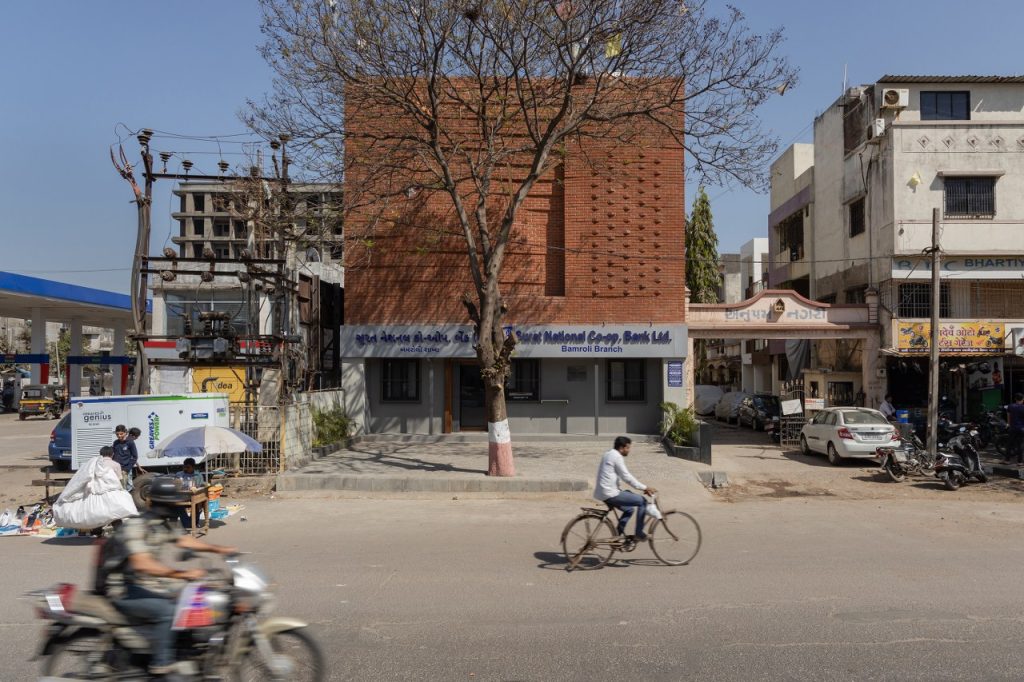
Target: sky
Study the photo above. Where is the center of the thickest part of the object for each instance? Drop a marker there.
(74, 71)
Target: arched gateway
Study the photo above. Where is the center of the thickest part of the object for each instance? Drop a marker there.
(783, 314)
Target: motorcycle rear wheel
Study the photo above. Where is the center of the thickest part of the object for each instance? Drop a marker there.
(950, 480)
(80, 657)
(895, 473)
(300, 648)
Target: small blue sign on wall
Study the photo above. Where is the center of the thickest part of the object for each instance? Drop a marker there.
(675, 374)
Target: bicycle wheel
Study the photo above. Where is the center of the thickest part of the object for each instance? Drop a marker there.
(675, 538)
(588, 542)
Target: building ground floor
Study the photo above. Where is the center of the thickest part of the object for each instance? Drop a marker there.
(578, 379)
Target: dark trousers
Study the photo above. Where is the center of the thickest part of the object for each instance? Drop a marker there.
(157, 612)
(628, 502)
(1016, 450)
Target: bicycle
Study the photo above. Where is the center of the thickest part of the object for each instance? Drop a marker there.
(590, 540)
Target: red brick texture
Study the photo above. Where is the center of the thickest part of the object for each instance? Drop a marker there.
(600, 239)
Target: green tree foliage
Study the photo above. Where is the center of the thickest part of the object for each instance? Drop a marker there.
(702, 276)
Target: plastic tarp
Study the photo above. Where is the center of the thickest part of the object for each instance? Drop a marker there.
(729, 406)
(705, 398)
(93, 497)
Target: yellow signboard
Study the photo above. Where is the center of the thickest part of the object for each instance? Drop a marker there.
(954, 337)
(230, 380)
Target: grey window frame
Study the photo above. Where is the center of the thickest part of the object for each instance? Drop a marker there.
(938, 93)
(385, 394)
(515, 381)
(969, 214)
(863, 223)
(642, 382)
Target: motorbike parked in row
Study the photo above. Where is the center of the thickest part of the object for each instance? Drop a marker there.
(220, 634)
(909, 458)
(960, 462)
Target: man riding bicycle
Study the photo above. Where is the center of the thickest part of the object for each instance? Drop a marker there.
(612, 470)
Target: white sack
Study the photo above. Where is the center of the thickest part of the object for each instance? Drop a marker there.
(93, 497)
(94, 511)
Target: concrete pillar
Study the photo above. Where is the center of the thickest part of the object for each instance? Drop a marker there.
(74, 381)
(158, 318)
(689, 374)
(119, 371)
(353, 383)
(38, 346)
(872, 385)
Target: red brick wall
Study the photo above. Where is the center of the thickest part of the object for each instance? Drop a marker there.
(619, 210)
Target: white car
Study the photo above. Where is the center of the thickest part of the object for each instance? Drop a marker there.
(842, 432)
(728, 407)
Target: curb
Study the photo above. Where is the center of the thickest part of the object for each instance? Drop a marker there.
(402, 484)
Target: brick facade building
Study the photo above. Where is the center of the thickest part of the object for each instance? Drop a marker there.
(594, 283)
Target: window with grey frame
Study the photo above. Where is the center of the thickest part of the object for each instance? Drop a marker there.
(915, 300)
(523, 383)
(969, 197)
(627, 381)
(857, 221)
(945, 105)
(400, 381)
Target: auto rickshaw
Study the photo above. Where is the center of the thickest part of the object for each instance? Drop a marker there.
(41, 399)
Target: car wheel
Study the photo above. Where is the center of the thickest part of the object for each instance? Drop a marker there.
(804, 447)
(833, 456)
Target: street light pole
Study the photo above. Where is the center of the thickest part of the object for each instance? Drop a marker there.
(933, 360)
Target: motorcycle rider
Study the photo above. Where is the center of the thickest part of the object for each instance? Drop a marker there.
(141, 584)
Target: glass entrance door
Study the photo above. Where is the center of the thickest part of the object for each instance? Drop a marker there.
(472, 413)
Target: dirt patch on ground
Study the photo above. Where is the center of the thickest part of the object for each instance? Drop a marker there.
(249, 486)
(774, 488)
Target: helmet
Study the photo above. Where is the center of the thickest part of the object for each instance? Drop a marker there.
(167, 490)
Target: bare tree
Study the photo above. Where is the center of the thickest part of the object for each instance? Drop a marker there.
(476, 100)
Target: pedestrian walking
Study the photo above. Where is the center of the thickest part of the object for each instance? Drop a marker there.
(1015, 416)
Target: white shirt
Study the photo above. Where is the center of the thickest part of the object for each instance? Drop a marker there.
(611, 470)
(887, 409)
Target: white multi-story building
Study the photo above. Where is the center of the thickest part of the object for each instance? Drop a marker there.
(853, 213)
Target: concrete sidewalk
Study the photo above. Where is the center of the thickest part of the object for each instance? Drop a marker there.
(459, 465)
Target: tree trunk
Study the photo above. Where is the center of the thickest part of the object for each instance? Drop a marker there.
(499, 438)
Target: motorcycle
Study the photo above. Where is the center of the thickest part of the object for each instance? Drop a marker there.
(910, 457)
(774, 429)
(220, 631)
(994, 430)
(960, 463)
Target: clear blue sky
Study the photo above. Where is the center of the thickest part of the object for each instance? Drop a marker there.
(73, 70)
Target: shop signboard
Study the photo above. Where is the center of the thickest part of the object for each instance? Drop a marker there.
(978, 338)
(967, 267)
(814, 404)
(535, 341)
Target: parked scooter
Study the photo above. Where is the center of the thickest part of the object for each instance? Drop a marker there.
(960, 462)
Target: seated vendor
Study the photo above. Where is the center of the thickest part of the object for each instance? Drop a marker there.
(190, 479)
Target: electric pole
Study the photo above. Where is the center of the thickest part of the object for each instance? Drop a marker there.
(139, 284)
(933, 360)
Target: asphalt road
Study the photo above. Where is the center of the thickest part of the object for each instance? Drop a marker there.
(23, 443)
(475, 589)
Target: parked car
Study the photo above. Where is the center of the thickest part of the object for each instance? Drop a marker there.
(59, 450)
(756, 411)
(706, 398)
(842, 432)
(728, 408)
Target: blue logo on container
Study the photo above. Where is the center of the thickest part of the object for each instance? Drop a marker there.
(200, 415)
(154, 429)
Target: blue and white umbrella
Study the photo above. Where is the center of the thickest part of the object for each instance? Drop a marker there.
(206, 440)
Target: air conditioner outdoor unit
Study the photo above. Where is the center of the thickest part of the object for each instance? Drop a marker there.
(895, 98)
(876, 130)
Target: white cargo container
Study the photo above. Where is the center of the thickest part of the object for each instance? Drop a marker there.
(93, 420)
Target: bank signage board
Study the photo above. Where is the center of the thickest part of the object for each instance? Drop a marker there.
(954, 337)
(535, 341)
(961, 267)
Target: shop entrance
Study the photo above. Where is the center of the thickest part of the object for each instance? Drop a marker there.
(472, 406)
